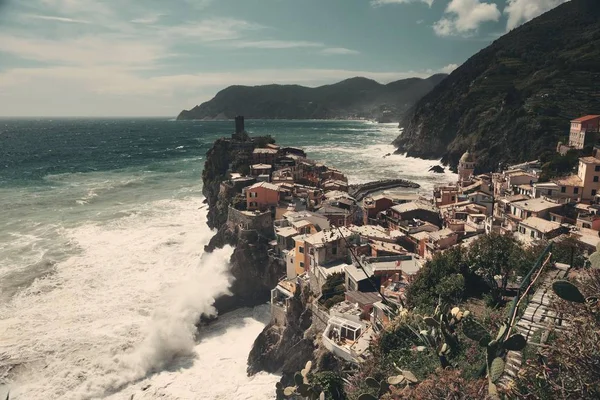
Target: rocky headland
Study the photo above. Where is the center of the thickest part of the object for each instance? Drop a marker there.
(508, 102)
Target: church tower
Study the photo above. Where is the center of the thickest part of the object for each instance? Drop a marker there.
(466, 167)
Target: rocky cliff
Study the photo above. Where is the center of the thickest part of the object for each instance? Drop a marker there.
(285, 349)
(254, 272)
(351, 98)
(514, 99)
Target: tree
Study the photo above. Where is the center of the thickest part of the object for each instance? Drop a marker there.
(446, 275)
(495, 255)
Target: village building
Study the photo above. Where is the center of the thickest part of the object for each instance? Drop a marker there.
(373, 205)
(260, 169)
(403, 214)
(262, 196)
(535, 228)
(583, 131)
(584, 186)
(264, 155)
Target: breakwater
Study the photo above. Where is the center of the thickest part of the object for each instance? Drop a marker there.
(360, 191)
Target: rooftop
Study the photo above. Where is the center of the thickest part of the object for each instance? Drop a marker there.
(287, 231)
(540, 224)
(371, 231)
(535, 205)
(572, 180)
(512, 199)
(589, 160)
(328, 236)
(437, 235)
(265, 185)
(265, 151)
(261, 166)
(363, 298)
(413, 206)
(585, 118)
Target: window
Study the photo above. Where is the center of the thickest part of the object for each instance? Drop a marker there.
(588, 226)
(301, 250)
(563, 189)
(301, 264)
(532, 234)
(595, 178)
(549, 192)
(253, 204)
(453, 198)
(334, 251)
(575, 190)
(594, 191)
(597, 168)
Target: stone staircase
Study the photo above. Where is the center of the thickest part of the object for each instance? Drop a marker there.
(537, 316)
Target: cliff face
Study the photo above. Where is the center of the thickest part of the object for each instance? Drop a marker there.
(514, 99)
(285, 349)
(254, 273)
(352, 98)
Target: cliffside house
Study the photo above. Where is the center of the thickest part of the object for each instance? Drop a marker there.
(260, 169)
(583, 131)
(262, 196)
(281, 296)
(264, 155)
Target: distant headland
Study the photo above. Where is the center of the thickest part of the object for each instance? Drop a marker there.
(355, 98)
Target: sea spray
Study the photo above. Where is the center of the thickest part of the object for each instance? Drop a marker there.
(171, 332)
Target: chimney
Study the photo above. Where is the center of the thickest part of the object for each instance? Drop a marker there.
(239, 124)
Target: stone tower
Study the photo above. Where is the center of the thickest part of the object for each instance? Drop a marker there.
(466, 167)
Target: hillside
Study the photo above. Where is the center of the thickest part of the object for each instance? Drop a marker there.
(514, 99)
(351, 98)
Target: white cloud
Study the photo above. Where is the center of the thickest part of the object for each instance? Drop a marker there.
(521, 11)
(121, 91)
(384, 2)
(87, 51)
(465, 16)
(56, 19)
(339, 51)
(449, 68)
(270, 44)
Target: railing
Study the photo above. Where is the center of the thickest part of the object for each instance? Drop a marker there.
(527, 281)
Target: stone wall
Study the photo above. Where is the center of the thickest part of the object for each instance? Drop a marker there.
(244, 220)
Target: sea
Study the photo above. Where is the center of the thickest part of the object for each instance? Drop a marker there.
(102, 271)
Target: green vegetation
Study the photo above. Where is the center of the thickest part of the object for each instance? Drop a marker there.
(351, 98)
(514, 99)
(333, 290)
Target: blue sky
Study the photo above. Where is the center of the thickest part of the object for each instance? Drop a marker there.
(156, 57)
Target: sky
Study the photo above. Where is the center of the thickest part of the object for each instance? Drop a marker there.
(157, 57)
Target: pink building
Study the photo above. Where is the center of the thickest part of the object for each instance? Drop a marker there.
(583, 131)
(262, 196)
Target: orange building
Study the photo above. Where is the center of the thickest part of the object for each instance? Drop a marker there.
(262, 196)
(583, 131)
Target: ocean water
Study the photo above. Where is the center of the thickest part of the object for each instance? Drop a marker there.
(102, 271)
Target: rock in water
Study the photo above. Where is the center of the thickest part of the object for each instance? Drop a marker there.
(437, 169)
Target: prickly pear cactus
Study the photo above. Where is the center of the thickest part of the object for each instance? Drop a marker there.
(567, 291)
(475, 331)
(496, 369)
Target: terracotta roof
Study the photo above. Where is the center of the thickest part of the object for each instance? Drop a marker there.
(572, 180)
(586, 118)
(589, 160)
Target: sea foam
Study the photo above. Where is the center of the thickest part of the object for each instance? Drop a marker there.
(121, 312)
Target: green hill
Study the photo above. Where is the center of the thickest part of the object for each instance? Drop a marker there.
(514, 99)
(351, 98)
